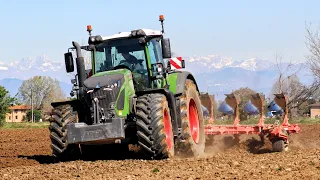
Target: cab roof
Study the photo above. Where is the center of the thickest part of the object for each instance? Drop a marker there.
(148, 32)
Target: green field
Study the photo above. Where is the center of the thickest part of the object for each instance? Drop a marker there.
(25, 125)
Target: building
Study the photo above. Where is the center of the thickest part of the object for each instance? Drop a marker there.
(315, 110)
(17, 113)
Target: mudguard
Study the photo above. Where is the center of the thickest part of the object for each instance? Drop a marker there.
(181, 81)
(73, 103)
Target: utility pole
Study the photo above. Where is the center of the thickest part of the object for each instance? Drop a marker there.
(31, 106)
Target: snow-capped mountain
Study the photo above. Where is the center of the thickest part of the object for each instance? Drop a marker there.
(29, 67)
(3, 66)
(42, 63)
(214, 73)
(216, 62)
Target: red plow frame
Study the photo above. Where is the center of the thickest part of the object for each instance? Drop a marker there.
(277, 133)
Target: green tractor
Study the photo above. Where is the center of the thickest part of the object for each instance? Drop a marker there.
(130, 97)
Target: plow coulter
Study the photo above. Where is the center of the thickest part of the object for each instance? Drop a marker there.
(277, 132)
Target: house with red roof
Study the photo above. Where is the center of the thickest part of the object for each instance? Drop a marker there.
(315, 110)
(17, 113)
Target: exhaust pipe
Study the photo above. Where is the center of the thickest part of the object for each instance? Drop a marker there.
(80, 68)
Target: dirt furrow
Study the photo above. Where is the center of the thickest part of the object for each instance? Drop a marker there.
(25, 154)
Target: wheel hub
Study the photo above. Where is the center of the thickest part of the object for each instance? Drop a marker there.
(167, 128)
(194, 121)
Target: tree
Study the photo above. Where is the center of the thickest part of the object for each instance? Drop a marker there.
(5, 102)
(44, 90)
(216, 104)
(244, 94)
(289, 84)
(37, 114)
(291, 87)
(313, 44)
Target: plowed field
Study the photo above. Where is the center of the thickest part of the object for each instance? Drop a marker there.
(25, 154)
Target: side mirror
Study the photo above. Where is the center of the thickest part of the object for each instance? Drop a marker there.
(69, 62)
(166, 49)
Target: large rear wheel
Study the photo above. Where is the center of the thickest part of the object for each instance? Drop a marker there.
(192, 140)
(154, 126)
(62, 116)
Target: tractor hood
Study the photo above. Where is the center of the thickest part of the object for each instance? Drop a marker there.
(111, 80)
(108, 79)
(108, 93)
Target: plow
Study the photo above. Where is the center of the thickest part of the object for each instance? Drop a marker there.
(132, 97)
(278, 133)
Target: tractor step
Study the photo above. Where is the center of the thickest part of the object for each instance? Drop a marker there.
(104, 133)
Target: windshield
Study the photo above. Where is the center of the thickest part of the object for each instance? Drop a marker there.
(125, 52)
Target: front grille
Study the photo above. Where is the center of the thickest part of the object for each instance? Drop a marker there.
(106, 89)
(105, 97)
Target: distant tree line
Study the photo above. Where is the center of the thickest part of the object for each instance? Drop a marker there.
(40, 91)
(5, 102)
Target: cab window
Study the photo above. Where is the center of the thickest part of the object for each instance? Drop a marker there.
(155, 52)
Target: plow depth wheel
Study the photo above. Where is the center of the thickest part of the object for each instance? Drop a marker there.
(279, 146)
(279, 140)
(154, 126)
(192, 122)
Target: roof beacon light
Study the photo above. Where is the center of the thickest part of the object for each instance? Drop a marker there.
(161, 19)
(89, 29)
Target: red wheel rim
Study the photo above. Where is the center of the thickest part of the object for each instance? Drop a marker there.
(167, 129)
(194, 120)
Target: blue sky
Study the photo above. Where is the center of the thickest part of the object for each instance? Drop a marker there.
(240, 29)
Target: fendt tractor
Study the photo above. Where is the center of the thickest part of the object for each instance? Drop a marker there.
(129, 97)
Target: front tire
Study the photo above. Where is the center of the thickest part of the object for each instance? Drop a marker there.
(154, 128)
(62, 116)
(192, 140)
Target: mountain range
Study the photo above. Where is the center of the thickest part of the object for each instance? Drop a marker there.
(221, 75)
(214, 74)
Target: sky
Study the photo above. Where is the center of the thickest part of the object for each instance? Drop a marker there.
(238, 29)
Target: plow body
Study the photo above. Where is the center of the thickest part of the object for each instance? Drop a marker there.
(277, 133)
(249, 129)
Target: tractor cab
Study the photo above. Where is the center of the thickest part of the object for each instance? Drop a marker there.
(127, 52)
(141, 51)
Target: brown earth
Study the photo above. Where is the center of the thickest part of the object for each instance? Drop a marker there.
(25, 154)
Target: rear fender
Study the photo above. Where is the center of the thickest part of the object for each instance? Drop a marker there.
(74, 103)
(181, 81)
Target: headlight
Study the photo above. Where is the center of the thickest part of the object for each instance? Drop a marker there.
(112, 85)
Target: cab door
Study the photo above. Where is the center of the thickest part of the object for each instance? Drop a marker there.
(155, 56)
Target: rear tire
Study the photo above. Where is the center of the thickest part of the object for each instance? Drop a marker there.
(192, 140)
(154, 128)
(62, 116)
